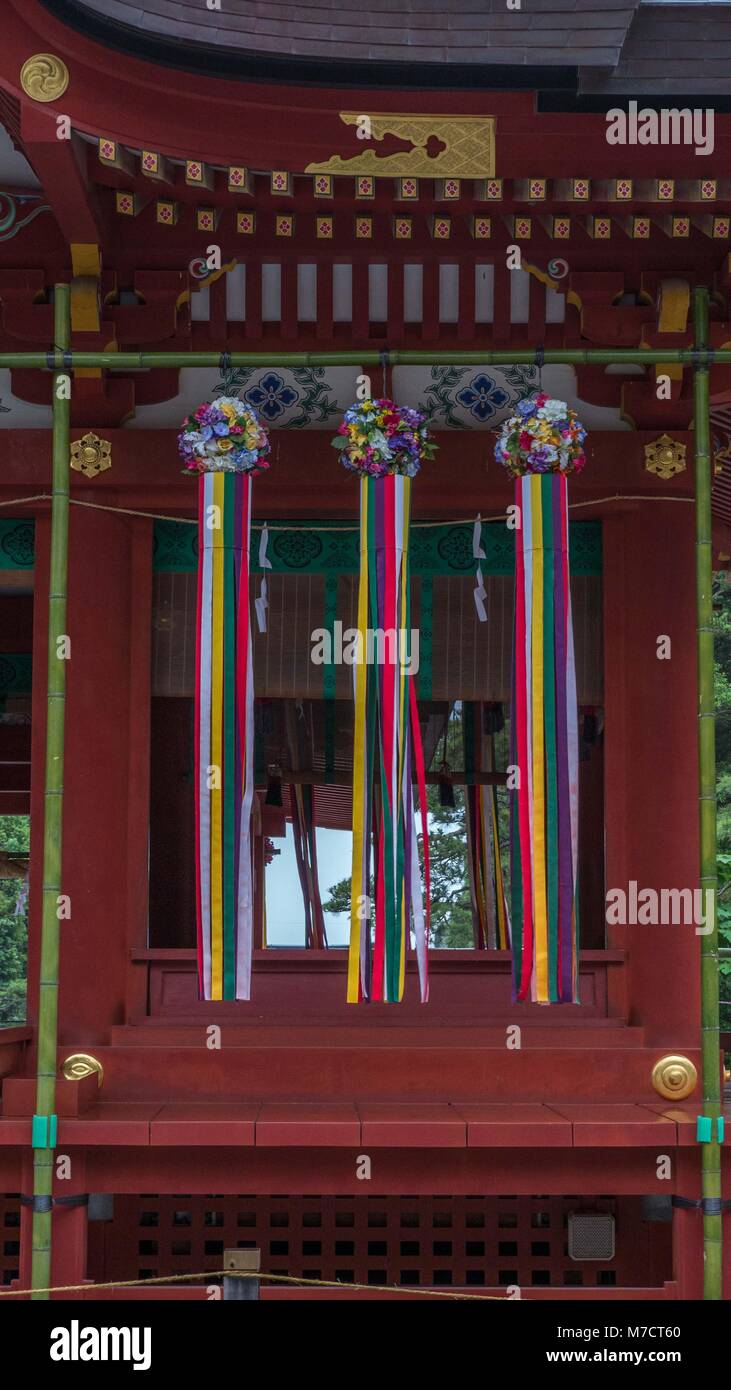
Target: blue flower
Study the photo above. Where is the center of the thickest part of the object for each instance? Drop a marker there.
(483, 397)
(272, 397)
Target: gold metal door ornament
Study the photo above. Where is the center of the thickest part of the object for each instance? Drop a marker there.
(44, 77)
(674, 1077)
(467, 147)
(91, 455)
(665, 457)
(80, 1064)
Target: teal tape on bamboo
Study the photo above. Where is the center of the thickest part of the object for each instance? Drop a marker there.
(44, 1130)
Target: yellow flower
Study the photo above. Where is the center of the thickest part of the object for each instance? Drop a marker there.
(224, 445)
(229, 412)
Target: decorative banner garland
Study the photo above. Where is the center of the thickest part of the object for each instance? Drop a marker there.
(225, 444)
(385, 445)
(540, 446)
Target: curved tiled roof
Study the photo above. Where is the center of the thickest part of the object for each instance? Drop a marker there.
(544, 32)
(671, 49)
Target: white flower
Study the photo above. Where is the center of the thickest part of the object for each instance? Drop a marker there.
(379, 441)
(554, 410)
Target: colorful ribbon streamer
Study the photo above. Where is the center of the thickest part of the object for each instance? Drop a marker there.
(490, 918)
(224, 752)
(387, 749)
(544, 748)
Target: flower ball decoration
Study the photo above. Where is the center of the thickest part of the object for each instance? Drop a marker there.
(544, 436)
(224, 436)
(377, 438)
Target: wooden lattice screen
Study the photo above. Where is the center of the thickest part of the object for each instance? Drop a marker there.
(418, 1241)
(469, 660)
(9, 1237)
(313, 584)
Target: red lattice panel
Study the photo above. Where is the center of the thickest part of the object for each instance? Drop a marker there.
(426, 1241)
(9, 1237)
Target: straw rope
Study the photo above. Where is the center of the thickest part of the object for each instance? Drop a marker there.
(419, 525)
(270, 1278)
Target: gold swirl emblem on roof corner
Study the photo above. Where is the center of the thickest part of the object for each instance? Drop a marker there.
(44, 77)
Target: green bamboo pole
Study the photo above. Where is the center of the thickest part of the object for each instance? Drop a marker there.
(369, 357)
(711, 1070)
(44, 1120)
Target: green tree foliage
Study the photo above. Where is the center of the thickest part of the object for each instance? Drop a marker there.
(14, 840)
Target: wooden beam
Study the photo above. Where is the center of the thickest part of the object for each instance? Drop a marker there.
(61, 166)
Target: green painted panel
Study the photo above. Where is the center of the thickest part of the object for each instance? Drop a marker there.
(17, 543)
(330, 549)
(16, 672)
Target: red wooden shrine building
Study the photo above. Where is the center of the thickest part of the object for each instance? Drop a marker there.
(405, 1144)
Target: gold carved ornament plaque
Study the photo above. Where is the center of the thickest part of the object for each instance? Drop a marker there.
(91, 455)
(44, 77)
(80, 1064)
(665, 457)
(463, 146)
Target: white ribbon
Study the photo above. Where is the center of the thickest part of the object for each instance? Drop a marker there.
(477, 549)
(264, 561)
(479, 595)
(478, 553)
(262, 602)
